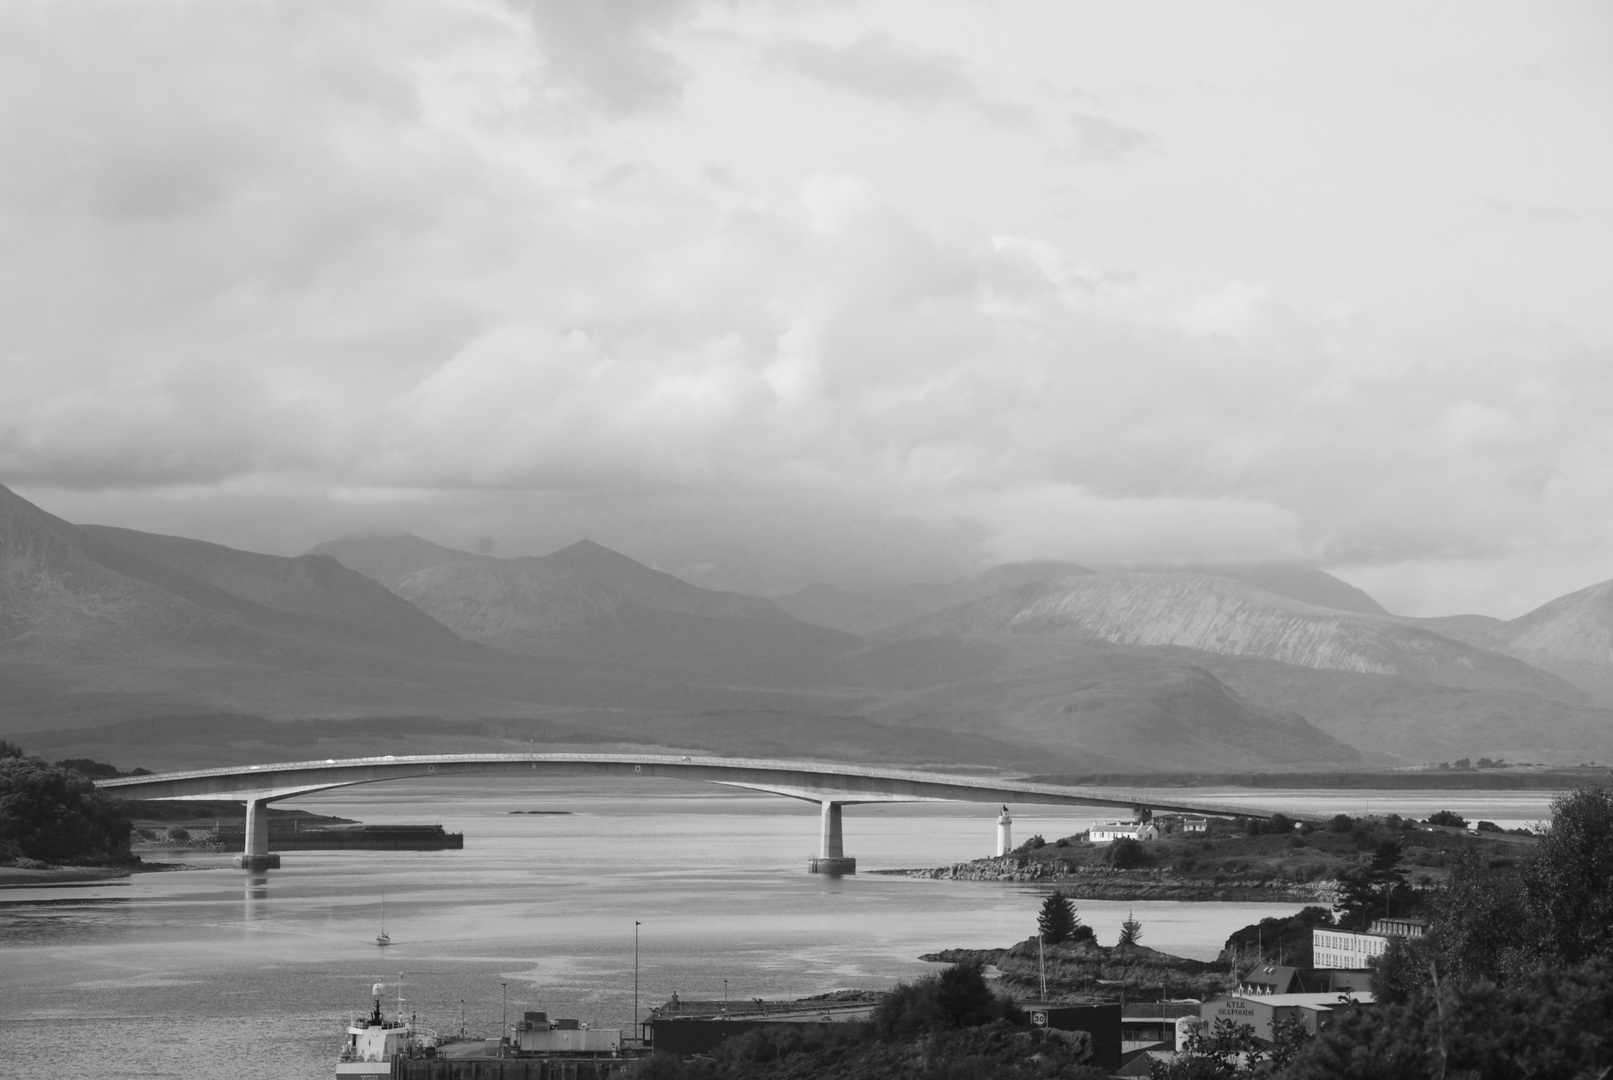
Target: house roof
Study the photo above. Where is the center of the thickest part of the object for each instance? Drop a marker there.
(1309, 1001)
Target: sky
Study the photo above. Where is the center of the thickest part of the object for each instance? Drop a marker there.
(770, 293)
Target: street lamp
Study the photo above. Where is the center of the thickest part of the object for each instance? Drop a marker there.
(504, 1032)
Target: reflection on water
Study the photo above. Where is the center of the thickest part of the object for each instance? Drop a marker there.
(256, 907)
(175, 967)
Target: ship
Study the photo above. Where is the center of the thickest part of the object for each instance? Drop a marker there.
(536, 1048)
(374, 1042)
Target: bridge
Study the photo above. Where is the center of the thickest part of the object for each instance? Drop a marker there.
(830, 785)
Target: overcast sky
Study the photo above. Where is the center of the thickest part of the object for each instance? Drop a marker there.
(763, 293)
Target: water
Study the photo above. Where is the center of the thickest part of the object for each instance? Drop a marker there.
(217, 972)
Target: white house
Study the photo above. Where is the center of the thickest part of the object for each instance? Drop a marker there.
(1104, 832)
(1335, 948)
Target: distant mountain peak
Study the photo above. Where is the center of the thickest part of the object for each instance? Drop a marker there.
(592, 555)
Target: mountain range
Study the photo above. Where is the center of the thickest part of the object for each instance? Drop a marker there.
(106, 633)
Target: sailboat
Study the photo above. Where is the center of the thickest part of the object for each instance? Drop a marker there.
(383, 938)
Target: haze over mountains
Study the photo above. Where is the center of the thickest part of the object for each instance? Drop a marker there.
(1042, 666)
(589, 604)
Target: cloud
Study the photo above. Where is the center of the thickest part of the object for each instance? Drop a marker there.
(272, 280)
(1097, 138)
(878, 65)
(611, 52)
(1535, 211)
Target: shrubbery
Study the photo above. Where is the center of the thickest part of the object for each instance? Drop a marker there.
(1513, 979)
(1128, 854)
(52, 814)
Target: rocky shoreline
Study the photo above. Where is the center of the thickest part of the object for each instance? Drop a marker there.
(1107, 883)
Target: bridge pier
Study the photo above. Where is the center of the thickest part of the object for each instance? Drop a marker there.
(257, 855)
(831, 858)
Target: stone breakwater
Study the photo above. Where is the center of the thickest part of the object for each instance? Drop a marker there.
(1107, 883)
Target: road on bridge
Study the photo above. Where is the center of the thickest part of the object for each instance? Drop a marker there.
(830, 784)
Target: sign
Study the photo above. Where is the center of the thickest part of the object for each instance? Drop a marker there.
(1039, 1019)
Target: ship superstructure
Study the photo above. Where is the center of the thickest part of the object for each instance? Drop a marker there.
(374, 1042)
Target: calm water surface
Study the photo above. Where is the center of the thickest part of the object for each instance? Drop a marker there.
(217, 972)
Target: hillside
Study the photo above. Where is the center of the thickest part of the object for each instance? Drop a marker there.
(1221, 615)
(308, 584)
(98, 625)
(1571, 637)
(1041, 666)
(868, 612)
(588, 603)
(1394, 691)
(1088, 699)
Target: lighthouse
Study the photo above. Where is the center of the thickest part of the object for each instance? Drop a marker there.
(1005, 833)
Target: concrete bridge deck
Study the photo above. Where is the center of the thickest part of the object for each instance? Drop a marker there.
(832, 785)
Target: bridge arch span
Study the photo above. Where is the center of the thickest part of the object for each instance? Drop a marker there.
(831, 784)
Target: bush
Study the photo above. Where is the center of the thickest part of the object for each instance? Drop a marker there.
(178, 834)
(956, 998)
(1128, 854)
(1449, 819)
(1569, 882)
(57, 815)
(1341, 823)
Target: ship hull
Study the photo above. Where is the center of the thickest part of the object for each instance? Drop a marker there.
(364, 1070)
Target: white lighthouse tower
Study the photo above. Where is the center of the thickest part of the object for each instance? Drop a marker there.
(1005, 833)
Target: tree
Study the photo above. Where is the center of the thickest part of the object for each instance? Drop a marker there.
(1057, 921)
(1449, 819)
(53, 814)
(1568, 885)
(1131, 931)
(1371, 891)
(1481, 921)
(1550, 1022)
(1127, 854)
(9, 749)
(956, 998)
(1212, 1052)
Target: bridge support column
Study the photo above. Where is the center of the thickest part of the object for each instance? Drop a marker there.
(831, 857)
(257, 855)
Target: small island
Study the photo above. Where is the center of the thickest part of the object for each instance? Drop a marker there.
(55, 825)
(1176, 857)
